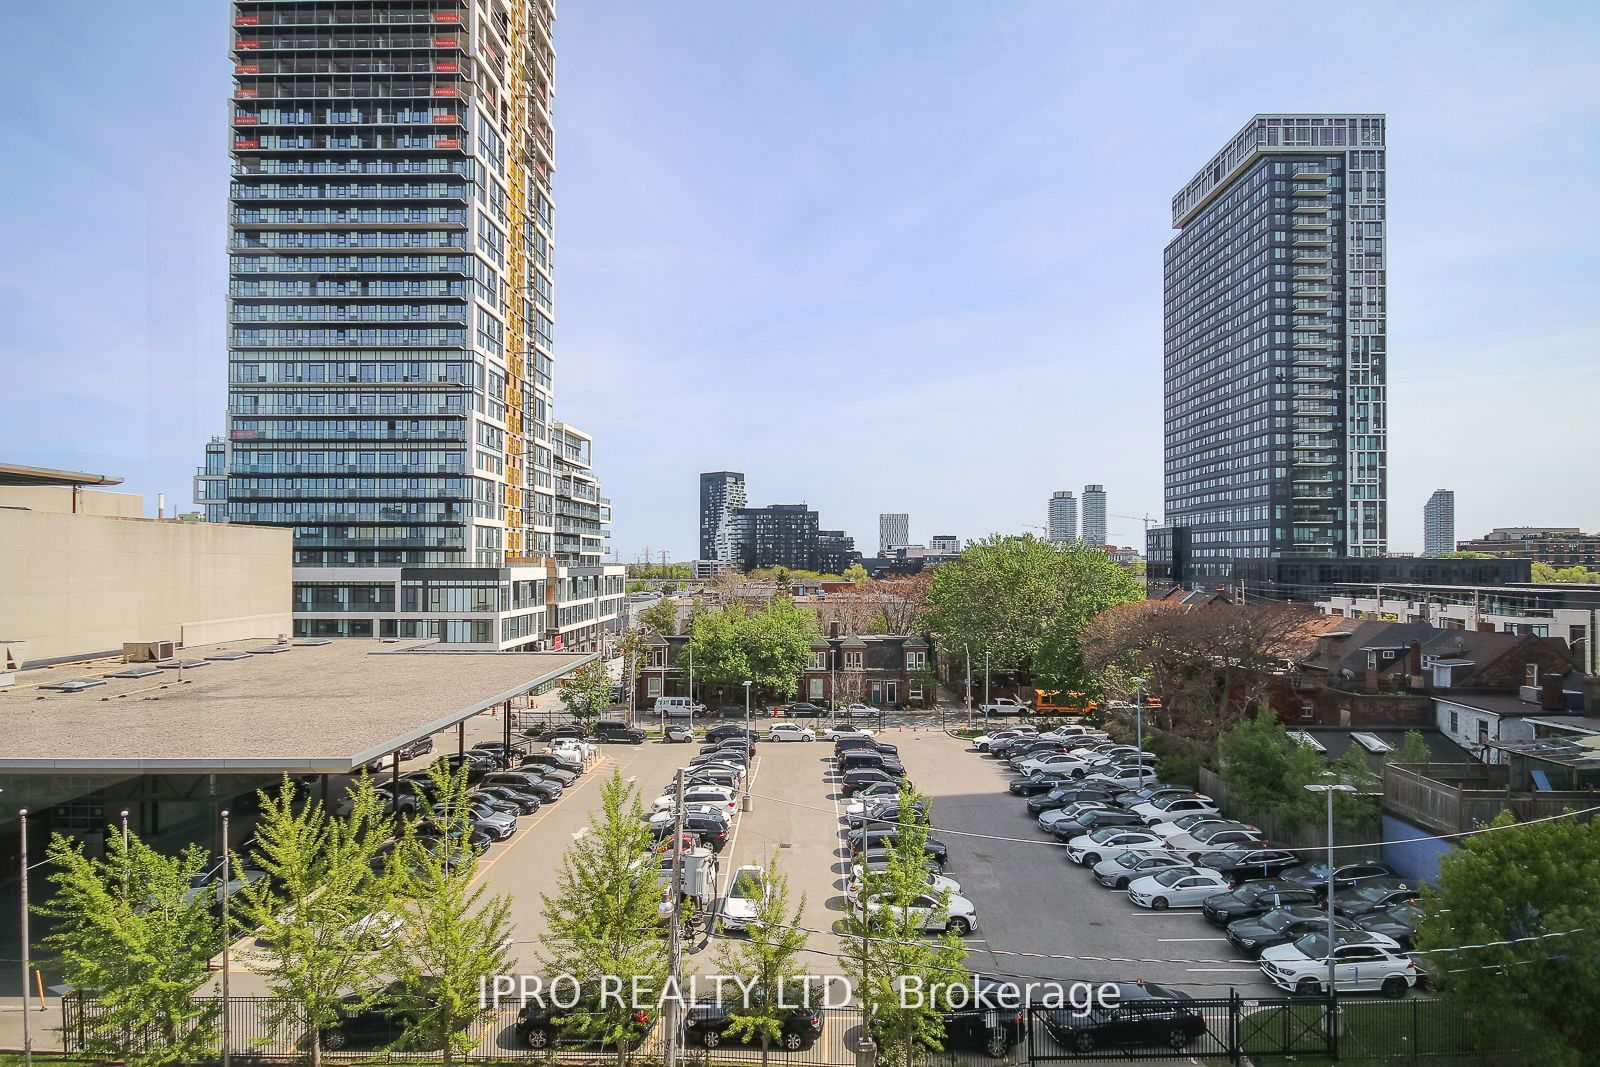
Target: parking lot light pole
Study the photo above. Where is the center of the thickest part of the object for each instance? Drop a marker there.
(748, 737)
(27, 964)
(227, 939)
(1329, 790)
(969, 685)
(1138, 720)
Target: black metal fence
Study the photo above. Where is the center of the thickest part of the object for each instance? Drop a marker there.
(1231, 1029)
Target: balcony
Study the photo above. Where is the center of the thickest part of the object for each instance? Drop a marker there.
(1307, 340)
(1313, 240)
(1311, 207)
(1311, 273)
(1310, 291)
(1311, 255)
(1303, 325)
(1313, 377)
(1310, 190)
(1309, 224)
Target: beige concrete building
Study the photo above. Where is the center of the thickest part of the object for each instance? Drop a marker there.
(81, 573)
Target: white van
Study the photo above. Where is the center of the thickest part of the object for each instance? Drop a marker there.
(678, 707)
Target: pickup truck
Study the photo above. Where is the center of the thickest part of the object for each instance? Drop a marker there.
(1006, 706)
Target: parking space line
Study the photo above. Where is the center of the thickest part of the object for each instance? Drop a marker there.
(1175, 940)
(544, 813)
(1224, 970)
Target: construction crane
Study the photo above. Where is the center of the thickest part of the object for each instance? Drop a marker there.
(1148, 519)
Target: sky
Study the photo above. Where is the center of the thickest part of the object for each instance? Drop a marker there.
(898, 256)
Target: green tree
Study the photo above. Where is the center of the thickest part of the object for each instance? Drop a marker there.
(1266, 770)
(721, 658)
(1026, 602)
(856, 575)
(1508, 885)
(127, 927)
(603, 918)
(1413, 749)
(315, 913)
(1544, 572)
(767, 962)
(1466, 555)
(888, 953)
(587, 691)
(457, 934)
(661, 617)
(770, 646)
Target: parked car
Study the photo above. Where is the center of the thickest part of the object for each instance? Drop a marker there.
(1186, 824)
(677, 708)
(877, 859)
(412, 749)
(1213, 838)
(983, 742)
(747, 890)
(1049, 820)
(1064, 794)
(804, 710)
(378, 1021)
(864, 776)
(1171, 806)
(1179, 887)
(882, 838)
(497, 825)
(1398, 922)
(547, 790)
(861, 743)
(726, 799)
(708, 1022)
(1360, 964)
(476, 765)
(1006, 706)
(1254, 898)
(1142, 1014)
(1123, 775)
(1248, 862)
(715, 774)
(661, 822)
(887, 813)
(678, 733)
(526, 803)
(1132, 798)
(1280, 926)
(565, 770)
(1037, 782)
(789, 731)
(583, 750)
(710, 829)
(994, 1020)
(1089, 821)
(619, 732)
(723, 731)
(837, 731)
(555, 733)
(1109, 842)
(925, 913)
(1372, 896)
(868, 794)
(859, 711)
(543, 1024)
(1345, 875)
(937, 883)
(1119, 872)
(1047, 761)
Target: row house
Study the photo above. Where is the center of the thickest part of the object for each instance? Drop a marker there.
(884, 670)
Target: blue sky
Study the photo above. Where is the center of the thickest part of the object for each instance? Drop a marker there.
(898, 256)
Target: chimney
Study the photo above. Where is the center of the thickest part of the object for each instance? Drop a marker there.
(161, 505)
(1551, 698)
(1414, 658)
(833, 628)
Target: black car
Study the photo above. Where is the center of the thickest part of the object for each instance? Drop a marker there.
(1254, 898)
(380, 1022)
(730, 711)
(994, 1019)
(877, 859)
(888, 814)
(724, 731)
(804, 710)
(1373, 896)
(1063, 795)
(542, 1024)
(1399, 922)
(678, 733)
(1345, 876)
(1243, 864)
(1037, 782)
(712, 830)
(849, 783)
(523, 803)
(477, 764)
(1090, 821)
(570, 729)
(618, 732)
(871, 760)
(1141, 1014)
(549, 767)
(1281, 926)
(883, 838)
(1151, 793)
(708, 1022)
(472, 839)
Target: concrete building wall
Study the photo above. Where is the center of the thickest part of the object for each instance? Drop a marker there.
(79, 584)
(59, 498)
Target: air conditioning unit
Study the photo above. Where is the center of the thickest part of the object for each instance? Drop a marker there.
(147, 651)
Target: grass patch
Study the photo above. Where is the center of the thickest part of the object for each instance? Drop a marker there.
(1376, 1033)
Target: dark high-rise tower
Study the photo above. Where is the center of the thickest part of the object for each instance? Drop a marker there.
(1275, 348)
(721, 495)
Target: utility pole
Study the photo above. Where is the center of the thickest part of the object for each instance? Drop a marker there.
(986, 687)
(969, 685)
(691, 680)
(675, 933)
(27, 1025)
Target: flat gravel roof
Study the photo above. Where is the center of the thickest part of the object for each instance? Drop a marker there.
(308, 708)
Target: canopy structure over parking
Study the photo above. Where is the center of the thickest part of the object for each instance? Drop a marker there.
(305, 706)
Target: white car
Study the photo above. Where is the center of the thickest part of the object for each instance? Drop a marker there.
(1134, 776)
(961, 917)
(710, 795)
(1185, 824)
(1049, 819)
(1109, 842)
(844, 729)
(747, 891)
(788, 731)
(983, 742)
(1075, 734)
(1214, 838)
(582, 749)
(859, 711)
(937, 883)
(1124, 870)
(1361, 963)
(1177, 887)
(1054, 761)
(1173, 807)
(374, 931)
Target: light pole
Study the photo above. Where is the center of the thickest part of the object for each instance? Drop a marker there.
(747, 742)
(27, 1025)
(691, 681)
(1138, 719)
(227, 938)
(1329, 790)
(968, 649)
(986, 688)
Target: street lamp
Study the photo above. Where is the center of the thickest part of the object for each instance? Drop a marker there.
(747, 741)
(1329, 790)
(1138, 720)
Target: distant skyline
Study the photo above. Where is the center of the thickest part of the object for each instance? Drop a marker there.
(896, 256)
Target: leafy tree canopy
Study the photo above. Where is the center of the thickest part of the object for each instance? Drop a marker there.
(661, 617)
(769, 646)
